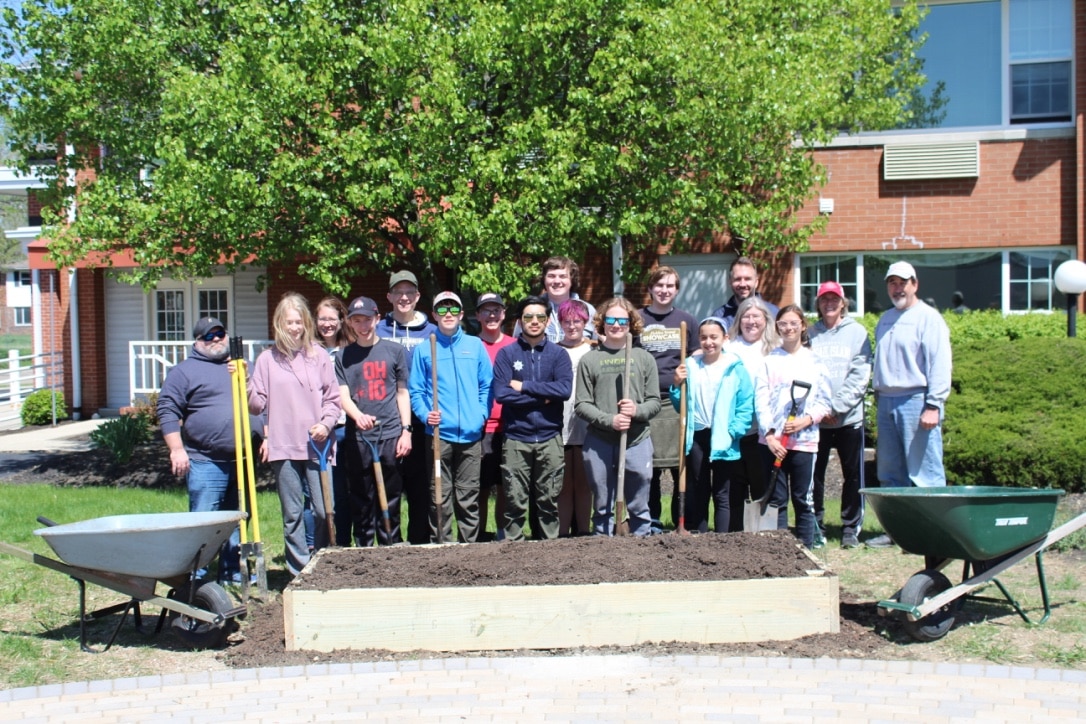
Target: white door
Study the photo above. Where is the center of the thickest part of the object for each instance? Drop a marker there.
(703, 281)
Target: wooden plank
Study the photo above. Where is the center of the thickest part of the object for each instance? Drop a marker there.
(514, 617)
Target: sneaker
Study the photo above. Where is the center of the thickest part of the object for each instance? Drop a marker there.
(850, 541)
(882, 541)
(817, 544)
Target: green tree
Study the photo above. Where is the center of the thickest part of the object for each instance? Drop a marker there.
(476, 134)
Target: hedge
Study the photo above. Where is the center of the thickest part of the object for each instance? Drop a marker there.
(1017, 411)
(1016, 415)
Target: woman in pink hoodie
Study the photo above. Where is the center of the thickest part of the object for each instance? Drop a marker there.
(294, 388)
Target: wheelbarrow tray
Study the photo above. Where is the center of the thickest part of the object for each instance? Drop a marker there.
(974, 523)
(154, 545)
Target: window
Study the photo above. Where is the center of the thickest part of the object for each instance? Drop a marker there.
(22, 316)
(22, 278)
(1001, 62)
(170, 315)
(841, 269)
(1011, 281)
(214, 303)
(1031, 285)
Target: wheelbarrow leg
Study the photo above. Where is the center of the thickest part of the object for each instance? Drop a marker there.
(1039, 561)
(132, 604)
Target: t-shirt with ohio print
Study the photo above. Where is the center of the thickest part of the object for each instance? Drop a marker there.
(371, 374)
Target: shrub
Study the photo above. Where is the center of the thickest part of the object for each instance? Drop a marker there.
(38, 407)
(123, 435)
(1016, 414)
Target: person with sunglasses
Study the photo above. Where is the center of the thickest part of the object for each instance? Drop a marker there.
(600, 401)
(532, 378)
(196, 411)
(464, 374)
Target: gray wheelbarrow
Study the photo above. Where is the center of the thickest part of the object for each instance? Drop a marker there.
(131, 554)
(989, 528)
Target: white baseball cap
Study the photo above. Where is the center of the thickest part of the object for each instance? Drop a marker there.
(902, 269)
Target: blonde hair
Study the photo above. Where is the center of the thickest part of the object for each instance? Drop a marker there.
(635, 318)
(283, 342)
(770, 339)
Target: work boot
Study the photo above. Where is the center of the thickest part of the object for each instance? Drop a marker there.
(882, 541)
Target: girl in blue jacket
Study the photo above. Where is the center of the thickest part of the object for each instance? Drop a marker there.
(720, 402)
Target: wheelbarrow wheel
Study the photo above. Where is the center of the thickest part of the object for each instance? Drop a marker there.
(920, 588)
(199, 634)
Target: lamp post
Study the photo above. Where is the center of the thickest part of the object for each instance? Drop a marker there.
(1070, 279)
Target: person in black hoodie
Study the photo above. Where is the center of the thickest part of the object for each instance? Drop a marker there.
(409, 327)
(532, 378)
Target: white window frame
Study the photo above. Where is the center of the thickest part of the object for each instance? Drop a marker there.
(23, 316)
(1005, 273)
(190, 307)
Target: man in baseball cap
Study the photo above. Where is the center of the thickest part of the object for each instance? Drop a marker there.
(207, 325)
(362, 306)
(490, 314)
(841, 344)
(912, 383)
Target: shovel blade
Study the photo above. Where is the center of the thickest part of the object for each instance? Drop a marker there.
(755, 520)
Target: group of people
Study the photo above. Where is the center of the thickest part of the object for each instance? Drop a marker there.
(548, 416)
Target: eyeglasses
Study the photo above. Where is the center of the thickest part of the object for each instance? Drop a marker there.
(328, 320)
(213, 335)
(403, 295)
(530, 317)
(789, 325)
(620, 321)
(443, 310)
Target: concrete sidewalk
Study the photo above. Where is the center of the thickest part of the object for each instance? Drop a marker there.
(573, 688)
(65, 437)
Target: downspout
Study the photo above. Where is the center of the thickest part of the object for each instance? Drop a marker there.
(616, 265)
(77, 368)
(35, 310)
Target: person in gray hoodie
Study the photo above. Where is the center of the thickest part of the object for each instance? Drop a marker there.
(843, 347)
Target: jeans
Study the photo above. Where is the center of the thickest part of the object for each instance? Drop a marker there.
(289, 475)
(213, 486)
(747, 479)
(342, 515)
(908, 455)
(793, 480)
(849, 443)
(601, 468)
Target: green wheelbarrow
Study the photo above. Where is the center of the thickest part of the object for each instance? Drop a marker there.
(989, 528)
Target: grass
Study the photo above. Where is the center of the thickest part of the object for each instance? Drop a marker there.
(39, 607)
(21, 343)
(39, 627)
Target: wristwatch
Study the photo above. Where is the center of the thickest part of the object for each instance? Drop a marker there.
(405, 428)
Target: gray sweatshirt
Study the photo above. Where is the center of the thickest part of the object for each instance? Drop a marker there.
(845, 352)
(912, 355)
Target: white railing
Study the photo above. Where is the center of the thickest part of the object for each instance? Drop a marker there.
(22, 374)
(149, 361)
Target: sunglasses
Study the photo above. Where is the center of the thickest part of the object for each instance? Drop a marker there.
(443, 310)
(530, 317)
(620, 321)
(213, 335)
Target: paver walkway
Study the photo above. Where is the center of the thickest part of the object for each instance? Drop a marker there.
(573, 688)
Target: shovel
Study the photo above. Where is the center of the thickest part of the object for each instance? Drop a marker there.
(622, 523)
(379, 479)
(250, 551)
(682, 436)
(437, 445)
(758, 514)
(326, 485)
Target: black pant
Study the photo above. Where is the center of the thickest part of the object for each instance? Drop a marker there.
(707, 479)
(365, 504)
(416, 471)
(849, 443)
(747, 479)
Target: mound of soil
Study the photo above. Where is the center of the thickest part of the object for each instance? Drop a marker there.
(569, 561)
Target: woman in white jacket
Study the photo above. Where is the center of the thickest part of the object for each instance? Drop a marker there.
(788, 417)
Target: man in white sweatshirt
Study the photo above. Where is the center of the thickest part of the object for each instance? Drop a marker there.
(912, 383)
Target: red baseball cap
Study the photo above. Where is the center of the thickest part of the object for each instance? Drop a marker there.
(830, 287)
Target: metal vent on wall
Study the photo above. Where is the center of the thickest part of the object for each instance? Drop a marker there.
(931, 160)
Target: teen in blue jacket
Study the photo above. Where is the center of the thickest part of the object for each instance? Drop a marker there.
(720, 402)
(463, 386)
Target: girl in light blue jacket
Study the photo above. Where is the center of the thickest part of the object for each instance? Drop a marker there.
(720, 402)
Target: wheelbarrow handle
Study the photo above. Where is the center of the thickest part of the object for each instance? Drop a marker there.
(46, 521)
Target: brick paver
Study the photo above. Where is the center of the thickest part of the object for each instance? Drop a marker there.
(573, 688)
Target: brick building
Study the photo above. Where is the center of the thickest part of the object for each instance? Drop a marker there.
(987, 201)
